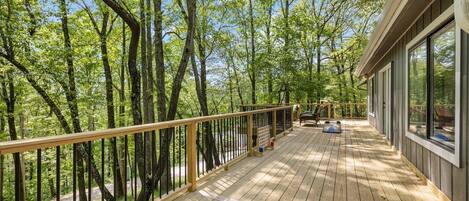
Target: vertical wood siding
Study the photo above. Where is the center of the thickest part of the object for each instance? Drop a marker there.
(449, 179)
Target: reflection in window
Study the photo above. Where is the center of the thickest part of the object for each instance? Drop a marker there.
(417, 86)
(443, 62)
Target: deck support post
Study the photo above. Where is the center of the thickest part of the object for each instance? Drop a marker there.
(250, 127)
(191, 156)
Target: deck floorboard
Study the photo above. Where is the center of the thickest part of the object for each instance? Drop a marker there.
(307, 164)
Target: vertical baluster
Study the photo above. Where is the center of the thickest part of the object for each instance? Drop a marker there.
(126, 152)
(153, 161)
(227, 139)
(74, 172)
(174, 161)
(274, 123)
(114, 165)
(144, 182)
(57, 172)
(237, 135)
(235, 120)
(214, 137)
(89, 170)
(179, 154)
(232, 139)
(160, 180)
(220, 141)
(202, 136)
(198, 151)
(102, 169)
(135, 170)
(185, 154)
(38, 176)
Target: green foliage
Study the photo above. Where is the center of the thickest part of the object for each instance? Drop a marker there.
(286, 58)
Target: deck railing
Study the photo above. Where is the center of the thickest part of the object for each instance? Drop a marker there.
(142, 162)
(280, 120)
(326, 111)
(337, 110)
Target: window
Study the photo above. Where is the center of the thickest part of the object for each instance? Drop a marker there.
(433, 88)
(437, 72)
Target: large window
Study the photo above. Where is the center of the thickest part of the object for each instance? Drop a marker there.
(431, 85)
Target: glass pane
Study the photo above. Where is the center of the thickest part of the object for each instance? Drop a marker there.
(417, 81)
(444, 85)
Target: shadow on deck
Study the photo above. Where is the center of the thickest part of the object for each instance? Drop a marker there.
(310, 165)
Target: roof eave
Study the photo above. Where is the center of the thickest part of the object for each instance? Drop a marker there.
(392, 9)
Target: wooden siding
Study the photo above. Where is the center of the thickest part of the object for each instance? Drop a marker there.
(451, 180)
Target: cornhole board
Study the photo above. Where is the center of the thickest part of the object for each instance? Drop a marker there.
(332, 127)
(262, 138)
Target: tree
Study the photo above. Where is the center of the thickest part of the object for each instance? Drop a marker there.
(103, 33)
(9, 97)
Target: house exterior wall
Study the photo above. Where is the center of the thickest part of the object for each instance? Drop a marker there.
(451, 180)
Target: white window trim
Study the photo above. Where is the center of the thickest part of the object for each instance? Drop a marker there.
(461, 12)
(455, 157)
(370, 113)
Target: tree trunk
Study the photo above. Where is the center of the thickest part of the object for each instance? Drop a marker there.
(111, 123)
(253, 54)
(318, 66)
(141, 144)
(212, 159)
(122, 109)
(270, 84)
(159, 61)
(2, 122)
(134, 76)
(71, 96)
(230, 87)
(9, 96)
(70, 93)
(151, 141)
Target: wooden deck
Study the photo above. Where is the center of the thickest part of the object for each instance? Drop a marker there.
(310, 165)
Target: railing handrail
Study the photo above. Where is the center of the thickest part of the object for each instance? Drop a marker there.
(25, 145)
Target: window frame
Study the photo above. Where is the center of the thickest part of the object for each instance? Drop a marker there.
(451, 155)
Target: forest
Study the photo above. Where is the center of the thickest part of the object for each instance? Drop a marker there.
(70, 66)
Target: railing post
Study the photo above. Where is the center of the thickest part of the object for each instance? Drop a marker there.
(191, 156)
(284, 121)
(329, 111)
(274, 123)
(351, 111)
(292, 119)
(299, 111)
(250, 127)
